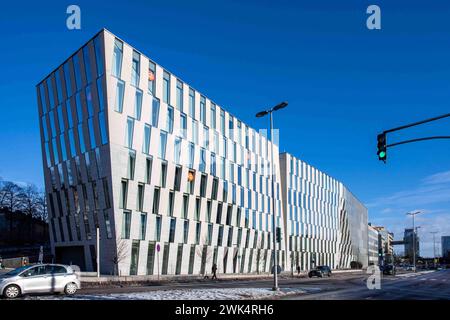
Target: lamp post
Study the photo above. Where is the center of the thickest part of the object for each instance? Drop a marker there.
(275, 258)
(434, 247)
(413, 214)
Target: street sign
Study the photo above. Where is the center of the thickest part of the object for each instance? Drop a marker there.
(158, 247)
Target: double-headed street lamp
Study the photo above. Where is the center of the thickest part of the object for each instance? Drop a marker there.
(275, 259)
(413, 214)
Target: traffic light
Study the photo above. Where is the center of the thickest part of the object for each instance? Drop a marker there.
(278, 233)
(382, 147)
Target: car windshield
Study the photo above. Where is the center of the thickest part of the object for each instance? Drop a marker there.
(15, 272)
(321, 267)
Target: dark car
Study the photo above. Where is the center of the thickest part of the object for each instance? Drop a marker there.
(389, 269)
(320, 271)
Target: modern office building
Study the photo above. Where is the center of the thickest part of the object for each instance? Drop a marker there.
(173, 182)
(385, 245)
(445, 245)
(409, 238)
(324, 223)
(373, 246)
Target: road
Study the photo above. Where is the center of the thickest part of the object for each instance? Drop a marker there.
(344, 286)
(434, 285)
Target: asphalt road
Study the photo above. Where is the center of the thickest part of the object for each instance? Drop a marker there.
(430, 286)
(343, 286)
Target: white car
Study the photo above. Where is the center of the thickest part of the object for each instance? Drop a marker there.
(39, 278)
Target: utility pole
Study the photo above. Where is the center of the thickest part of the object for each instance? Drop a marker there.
(98, 252)
(274, 224)
(413, 214)
(434, 247)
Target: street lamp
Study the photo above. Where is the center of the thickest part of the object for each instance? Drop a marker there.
(413, 214)
(434, 247)
(275, 259)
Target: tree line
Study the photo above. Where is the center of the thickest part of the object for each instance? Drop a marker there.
(27, 199)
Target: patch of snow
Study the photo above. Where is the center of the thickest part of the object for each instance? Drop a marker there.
(183, 294)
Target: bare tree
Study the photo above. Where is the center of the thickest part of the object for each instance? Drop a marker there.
(28, 200)
(42, 211)
(204, 254)
(121, 254)
(10, 195)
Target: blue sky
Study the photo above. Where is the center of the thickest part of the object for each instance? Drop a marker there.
(344, 83)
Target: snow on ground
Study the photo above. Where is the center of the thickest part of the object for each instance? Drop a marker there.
(408, 275)
(183, 294)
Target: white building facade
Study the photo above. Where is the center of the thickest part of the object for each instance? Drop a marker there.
(173, 182)
(373, 245)
(324, 223)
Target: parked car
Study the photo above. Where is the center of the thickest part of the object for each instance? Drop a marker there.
(39, 278)
(389, 269)
(320, 271)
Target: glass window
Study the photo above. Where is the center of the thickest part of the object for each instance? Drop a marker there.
(156, 201)
(197, 232)
(126, 225)
(185, 205)
(172, 230)
(183, 126)
(138, 104)
(143, 226)
(51, 96)
(191, 155)
(67, 68)
(191, 103)
(87, 64)
(90, 107)
(129, 133)
(213, 115)
(203, 110)
(72, 143)
(77, 69)
(186, 231)
(91, 133)
(195, 131)
(213, 164)
(206, 137)
(98, 48)
(148, 169)
(135, 69)
(60, 118)
(117, 58)
(146, 142)
(163, 176)
(177, 150)
(162, 144)
(180, 95)
(155, 112)
(81, 138)
(222, 122)
(202, 166)
(102, 126)
(58, 86)
(100, 94)
(158, 228)
(177, 180)
(123, 194)
(120, 90)
(151, 78)
(63, 147)
(166, 87)
(169, 123)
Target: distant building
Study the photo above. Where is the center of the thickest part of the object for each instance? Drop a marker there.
(385, 245)
(372, 235)
(409, 244)
(445, 246)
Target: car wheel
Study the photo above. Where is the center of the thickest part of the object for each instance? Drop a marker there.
(11, 292)
(70, 289)
(310, 275)
(321, 275)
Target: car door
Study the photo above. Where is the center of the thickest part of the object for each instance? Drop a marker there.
(58, 277)
(34, 280)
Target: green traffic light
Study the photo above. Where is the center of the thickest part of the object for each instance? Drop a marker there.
(382, 154)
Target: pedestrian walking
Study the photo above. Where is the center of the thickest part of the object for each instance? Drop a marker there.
(298, 270)
(214, 271)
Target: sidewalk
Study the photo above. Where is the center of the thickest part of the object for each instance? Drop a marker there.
(91, 279)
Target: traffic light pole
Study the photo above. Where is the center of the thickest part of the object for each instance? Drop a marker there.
(382, 146)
